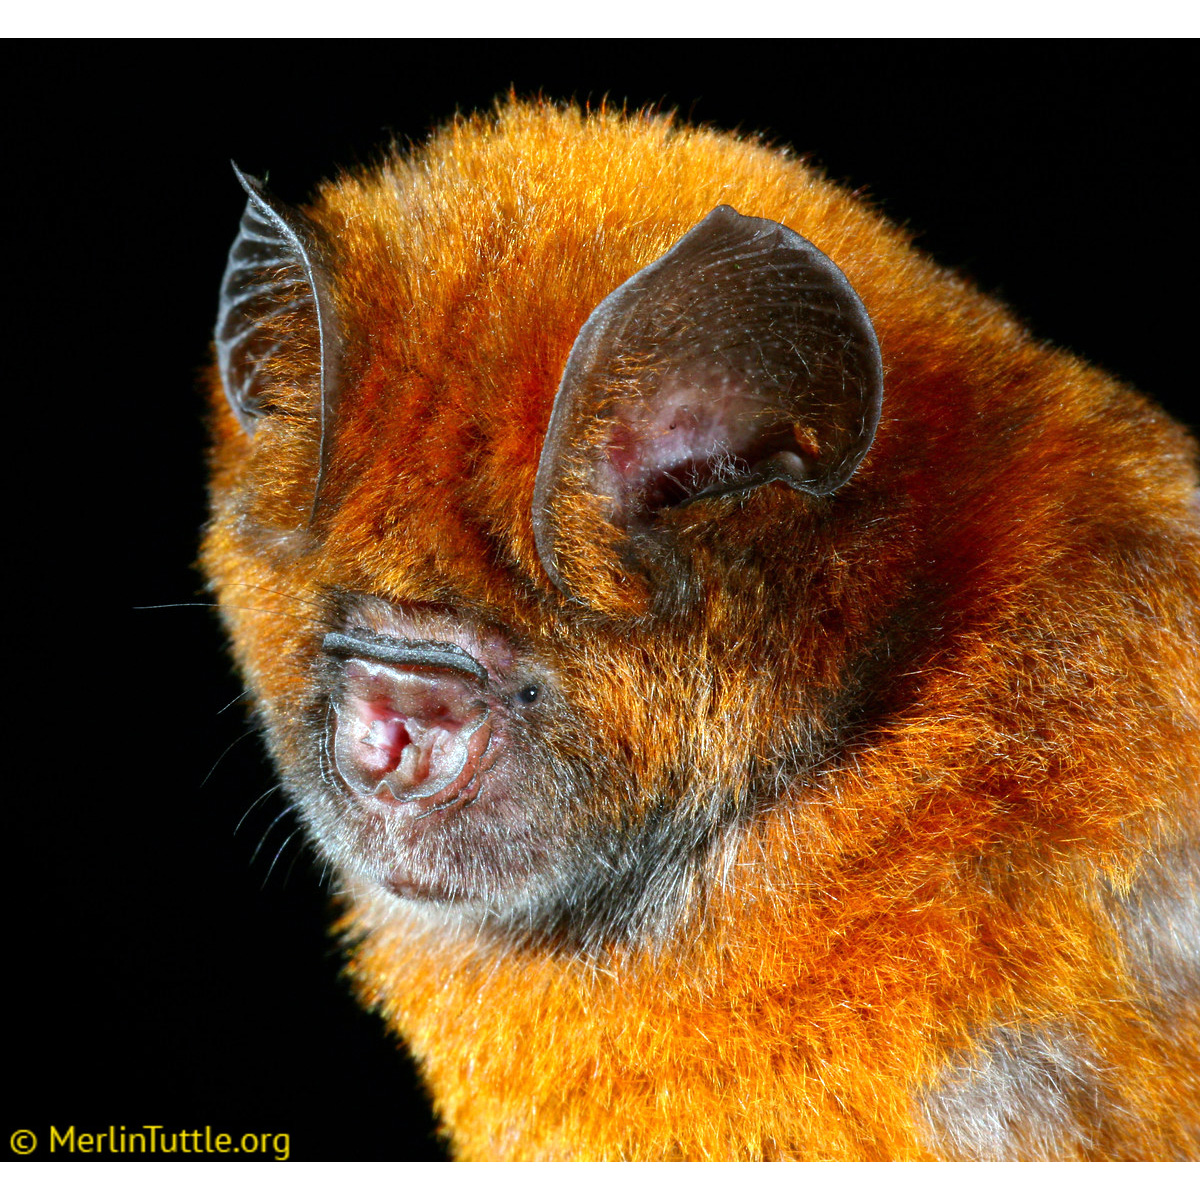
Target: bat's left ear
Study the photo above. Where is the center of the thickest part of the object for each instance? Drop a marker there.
(741, 357)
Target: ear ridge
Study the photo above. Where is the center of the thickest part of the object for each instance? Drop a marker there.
(272, 269)
(741, 357)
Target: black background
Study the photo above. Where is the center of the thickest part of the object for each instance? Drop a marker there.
(165, 970)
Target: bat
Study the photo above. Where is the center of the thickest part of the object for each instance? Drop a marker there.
(745, 689)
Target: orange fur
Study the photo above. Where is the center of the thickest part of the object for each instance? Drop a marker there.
(1014, 570)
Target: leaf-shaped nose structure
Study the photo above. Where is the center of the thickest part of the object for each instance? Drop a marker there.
(413, 735)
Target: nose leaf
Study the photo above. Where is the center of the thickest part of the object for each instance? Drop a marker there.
(409, 735)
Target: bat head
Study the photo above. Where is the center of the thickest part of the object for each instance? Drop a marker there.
(535, 509)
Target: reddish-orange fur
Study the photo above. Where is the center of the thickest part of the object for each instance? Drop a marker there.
(964, 868)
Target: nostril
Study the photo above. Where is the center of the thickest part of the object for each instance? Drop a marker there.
(384, 742)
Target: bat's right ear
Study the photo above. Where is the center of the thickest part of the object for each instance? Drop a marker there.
(274, 294)
(741, 358)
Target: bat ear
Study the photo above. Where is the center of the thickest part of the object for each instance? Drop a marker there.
(739, 358)
(274, 292)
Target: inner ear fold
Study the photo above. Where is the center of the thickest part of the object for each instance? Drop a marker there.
(274, 295)
(739, 358)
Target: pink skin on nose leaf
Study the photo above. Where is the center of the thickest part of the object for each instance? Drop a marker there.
(410, 736)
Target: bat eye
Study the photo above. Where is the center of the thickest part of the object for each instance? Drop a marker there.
(527, 695)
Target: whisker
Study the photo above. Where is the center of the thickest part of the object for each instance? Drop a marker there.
(267, 876)
(269, 792)
(240, 738)
(176, 604)
(244, 692)
(295, 859)
(301, 600)
(270, 612)
(267, 834)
